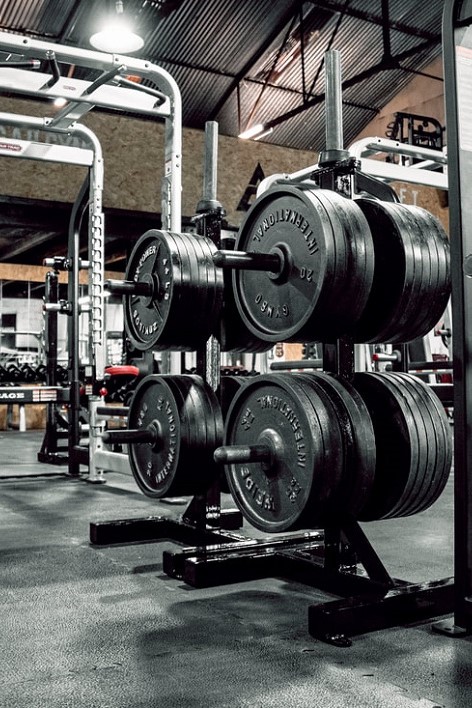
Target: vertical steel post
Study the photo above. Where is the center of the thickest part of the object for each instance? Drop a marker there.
(457, 47)
(210, 226)
(333, 151)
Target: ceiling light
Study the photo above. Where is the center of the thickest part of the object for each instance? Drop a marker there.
(256, 130)
(59, 102)
(117, 35)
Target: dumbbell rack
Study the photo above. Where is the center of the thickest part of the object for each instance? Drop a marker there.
(338, 559)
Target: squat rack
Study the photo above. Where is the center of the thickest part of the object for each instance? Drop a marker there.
(20, 74)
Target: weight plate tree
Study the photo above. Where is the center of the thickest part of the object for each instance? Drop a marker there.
(411, 285)
(413, 443)
(172, 292)
(284, 453)
(325, 265)
(174, 426)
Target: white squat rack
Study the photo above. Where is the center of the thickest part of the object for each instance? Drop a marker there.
(112, 90)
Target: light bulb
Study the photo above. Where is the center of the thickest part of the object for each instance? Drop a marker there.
(117, 36)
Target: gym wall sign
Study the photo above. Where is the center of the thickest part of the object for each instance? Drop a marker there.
(37, 136)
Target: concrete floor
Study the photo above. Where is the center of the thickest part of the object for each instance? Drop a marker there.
(104, 627)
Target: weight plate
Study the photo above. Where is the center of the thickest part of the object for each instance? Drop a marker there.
(183, 309)
(411, 280)
(295, 491)
(196, 327)
(155, 260)
(180, 462)
(228, 388)
(422, 464)
(358, 436)
(327, 273)
(211, 280)
(439, 444)
(414, 444)
(351, 290)
(410, 310)
(436, 300)
(421, 311)
(397, 442)
(234, 336)
(393, 270)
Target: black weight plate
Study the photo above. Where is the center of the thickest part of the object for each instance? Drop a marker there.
(181, 463)
(429, 452)
(439, 444)
(211, 279)
(215, 430)
(228, 388)
(422, 463)
(435, 294)
(234, 336)
(438, 244)
(147, 319)
(203, 430)
(393, 273)
(321, 266)
(156, 467)
(296, 492)
(189, 331)
(359, 440)
(356, 274)
(428, 304)
(397, 442)
(206, 294)
(404, 325)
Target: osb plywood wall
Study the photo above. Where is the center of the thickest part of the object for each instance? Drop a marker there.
(134, 164)
(134, 158)
(434, 200)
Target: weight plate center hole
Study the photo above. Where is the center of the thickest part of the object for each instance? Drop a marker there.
(152, 280)
(274, 442)
(282, 251)
(157, 441)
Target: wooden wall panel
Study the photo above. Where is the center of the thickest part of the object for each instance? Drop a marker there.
(134, 163)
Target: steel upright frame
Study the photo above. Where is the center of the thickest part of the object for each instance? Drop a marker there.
(457, 57)
(112, 91)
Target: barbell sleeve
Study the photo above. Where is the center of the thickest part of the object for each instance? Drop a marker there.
(243, 260)
(128, 287)
(231, 454)
(148, 435)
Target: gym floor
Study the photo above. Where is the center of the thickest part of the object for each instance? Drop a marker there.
(105, 627)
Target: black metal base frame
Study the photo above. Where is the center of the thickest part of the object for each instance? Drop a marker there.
(371, 599)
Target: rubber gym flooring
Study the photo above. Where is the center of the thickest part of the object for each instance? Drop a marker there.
(88, 627)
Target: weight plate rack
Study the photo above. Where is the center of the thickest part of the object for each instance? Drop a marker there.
(304, 451)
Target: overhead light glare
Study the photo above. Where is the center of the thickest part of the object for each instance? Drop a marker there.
(59, 102)
(117, 35)
(252, 132)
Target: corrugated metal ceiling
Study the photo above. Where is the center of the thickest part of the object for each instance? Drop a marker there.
(243, 63)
